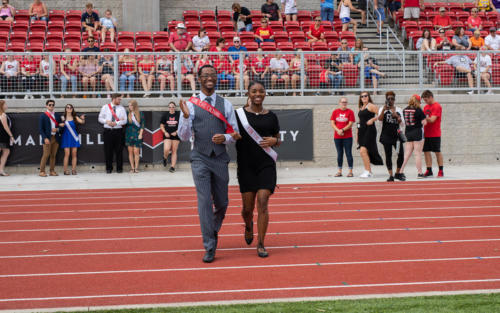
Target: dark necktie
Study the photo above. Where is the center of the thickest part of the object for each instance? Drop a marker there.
(112, 115)
(208, 100)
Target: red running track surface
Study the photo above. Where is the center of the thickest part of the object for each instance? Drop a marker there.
(143, 246)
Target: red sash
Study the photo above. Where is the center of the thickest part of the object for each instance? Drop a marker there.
(113, 112)
(212, 110)
(52, 118)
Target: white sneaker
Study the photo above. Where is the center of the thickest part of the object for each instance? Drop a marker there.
(490, 92)
(26, 97)
(470, 92)
(366, 174)
(42, 97)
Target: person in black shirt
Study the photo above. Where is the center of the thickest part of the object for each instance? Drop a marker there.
(168, 125)
(271, 11)
(90, 20)
(391, 117)
(415, 120)
(256, 167)
(91, 47)
(242, 14)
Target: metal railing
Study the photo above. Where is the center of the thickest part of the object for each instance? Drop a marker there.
(283, 73)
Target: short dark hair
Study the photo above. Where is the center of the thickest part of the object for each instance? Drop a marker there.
(50, 101)
(427, 93)
(115, 95)
(219, 40)
(255, 82)
(200, 70)
(390, 93)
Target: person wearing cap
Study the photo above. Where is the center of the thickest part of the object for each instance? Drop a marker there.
(484, 63)
(492, 41)
(180, 40)
(442, 21)
(236, 47)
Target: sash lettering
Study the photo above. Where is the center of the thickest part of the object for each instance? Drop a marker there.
(212, 110)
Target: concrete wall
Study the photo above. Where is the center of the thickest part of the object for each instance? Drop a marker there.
(471, 131)
(141, 15)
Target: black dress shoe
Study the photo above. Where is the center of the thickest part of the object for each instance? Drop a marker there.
(119, 171)
(209, 256)
(261, 251)
(216, 236)
(249, 234)
(109, 171)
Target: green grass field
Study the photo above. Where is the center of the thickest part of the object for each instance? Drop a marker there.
(480, 303)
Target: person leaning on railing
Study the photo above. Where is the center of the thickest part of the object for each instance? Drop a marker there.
(462, 64)
(484, 63)
(295, 72)
(29, 74)
(10, 75)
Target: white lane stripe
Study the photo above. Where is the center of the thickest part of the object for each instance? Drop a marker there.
(424, 199)
(218, 268)
(274, 212)
(274, 222)
(274, 247)
(277, 194)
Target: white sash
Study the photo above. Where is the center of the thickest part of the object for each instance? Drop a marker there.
(71, 131)
(253, 133)
(134, 120)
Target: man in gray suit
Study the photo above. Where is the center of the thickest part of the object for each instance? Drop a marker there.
(209, 158)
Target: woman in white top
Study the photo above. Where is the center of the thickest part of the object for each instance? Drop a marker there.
(201, 41)
(108, 24)
(45, 71)
(345, 7)
(10, 72)
(290, 9)
(279, 70)
(484, 62)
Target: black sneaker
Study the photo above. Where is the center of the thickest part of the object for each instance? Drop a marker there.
(428, 174)
(164, 162)
(420, 176)
(171, 169)
(391, 178)
(400, 177)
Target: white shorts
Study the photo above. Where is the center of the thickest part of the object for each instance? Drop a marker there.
(411, 12)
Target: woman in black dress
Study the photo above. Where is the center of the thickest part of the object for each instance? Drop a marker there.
(6, 137)
(256, 168)
(415, 120)
(168, 125)
(367, 133)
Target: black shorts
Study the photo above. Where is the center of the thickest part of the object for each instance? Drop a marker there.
(362, 5)
(432, 144)
(172, 137)
(414, 135)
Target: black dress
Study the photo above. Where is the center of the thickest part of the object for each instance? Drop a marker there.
(4, 137)
(367, 136)
(256, 169)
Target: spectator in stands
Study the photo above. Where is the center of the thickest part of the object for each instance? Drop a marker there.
(426, 42)
(345, 56)
(476, 41)
(220, 46)
(271, 11)
(462, 64)
(335, 76)
(394, 6)
(201, 41)
(29, 74)
(443, 42)
(236, 47)
(7, 12)
(484, 63)
(90, 20)
(128, 68)
(316, 31)
(204, 59)
(10, 74)
(165, 71)
(224, 70)
(187, 71)
(362, 10)
(44, 71)
(379, 6)
(264, 33)
(237, 75)
(88, 69)
(108, 24)
(460, 41)
(279, 71)
(180, 40)
(496, 5)
(106, 70)
(69, 71)
(372, 71)
(442, 21)
(412, 9)
(242, 18)
(345, 7)
(492, 41)
(38, 11)
(146, 69)
(295, 69)
(327, 10)
(260, 68)
(290, 9)
(358, 46)
(485, 5)
(474, 21)
(91, 46)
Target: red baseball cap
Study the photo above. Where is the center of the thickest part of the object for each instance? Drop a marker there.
(417, 97)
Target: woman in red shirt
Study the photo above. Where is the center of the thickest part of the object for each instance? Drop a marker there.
(260, 68)
(474, 21)
(236, 73)
(146, 68)
(342, 120)
(316, 31)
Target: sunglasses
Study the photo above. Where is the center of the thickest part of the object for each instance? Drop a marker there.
(364, 96)
(391, 98)
(318, 20)
(344, 43)
(50, 104)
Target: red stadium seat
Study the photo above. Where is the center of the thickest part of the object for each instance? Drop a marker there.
(73, 16)
(292, 26)
(256, 15)
(56, 15)
(349, 36)
(331, 36)
(276, 26)
(73, 26)
(35, 46)
(488, 24)
(492, 16)
(408, 27)
(413, 37)
(172, 25)
(280, 36)
(304, 45)
(468, 5)
(256, 24)
(121, 46)
(16, 46)
(108, 46)
(226, 26)
(316, 13)
(423, 25)
(250, 45)
(228, 36)
(351, 75)
(207, 15)
(161, 46)
(20, 26)
(160, 37)
(56, 26)
(337, 26)
(429, 15)
(495, 79)
(192, 26)
(22, 16)
(38, 26)
(268, 46)
(143, 36)
(210, 26)
(72, 37)
(319, 46)
(5, 25)
(127, 36)
(74, 46)
(285, 46)
(213, 36)
(190, 15)
(246, 36)
(224, 16)
(54, 46)
(3, 47)
(18, 37)
(144, 47)
(327, 26)
(304, 25)
(4, 36)
(303, 15)
(313, 73)
(455, 24)
(455, 6)
(333, 45)
(444, 74)
(297, 36)
(462, 16)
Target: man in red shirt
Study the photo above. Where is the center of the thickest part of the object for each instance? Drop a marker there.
(29, 71)
(316, 31)
(180, 40)
(432, 133)
(412, 9)
(264, 33)
(442, 21)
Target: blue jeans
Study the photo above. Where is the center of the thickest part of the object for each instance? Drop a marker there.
(224, 76)
(265, 40)
(335, 80)
(43, 18)
(123, 79)
(327, 14)
(344, 144)
(247, 28)
(64, 83)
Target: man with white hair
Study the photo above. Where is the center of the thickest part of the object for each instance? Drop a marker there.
(180, 40)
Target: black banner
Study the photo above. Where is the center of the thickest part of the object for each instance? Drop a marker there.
(296, 134)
